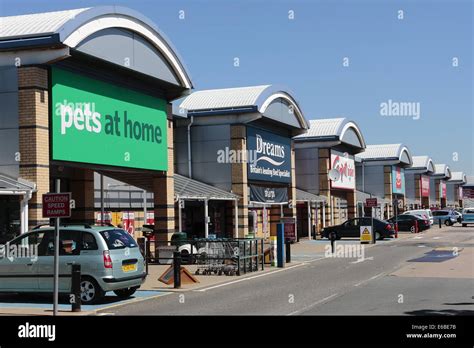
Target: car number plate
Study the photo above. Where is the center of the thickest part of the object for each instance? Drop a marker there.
(129, 268)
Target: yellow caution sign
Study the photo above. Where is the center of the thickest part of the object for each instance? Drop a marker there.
(366, 234)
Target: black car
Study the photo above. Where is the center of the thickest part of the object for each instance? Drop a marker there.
(351, 228)
(407, 222)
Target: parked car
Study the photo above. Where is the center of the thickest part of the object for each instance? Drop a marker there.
(408, 222)
(467, 216)
(425, 213)
(458, 215)
(110, 260)
(446, 216)
(351, 228)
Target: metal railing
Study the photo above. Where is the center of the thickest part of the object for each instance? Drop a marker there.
(230, 256)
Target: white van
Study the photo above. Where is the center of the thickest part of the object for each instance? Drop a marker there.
(422, 212)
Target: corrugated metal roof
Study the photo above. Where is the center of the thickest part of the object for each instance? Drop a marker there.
(420, 161)
(36, 23)
(186, 188)
(374, 152)
(223, 98)
(307, 196)
(441, 169)
(457, 176)
(323, 128)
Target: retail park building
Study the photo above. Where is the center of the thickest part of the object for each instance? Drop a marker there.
(87, 97)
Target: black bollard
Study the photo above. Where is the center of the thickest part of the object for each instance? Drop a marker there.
(76, 288)
(439, 222)
(332, 237)
(288, 251)
(177, 269)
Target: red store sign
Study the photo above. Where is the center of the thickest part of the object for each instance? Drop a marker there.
(425, 186)
(56, 205)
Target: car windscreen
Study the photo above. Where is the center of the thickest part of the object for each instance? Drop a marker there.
(468, 211)
(440, 213)
(118, 239)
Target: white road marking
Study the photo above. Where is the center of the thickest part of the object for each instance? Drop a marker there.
(368, 280)
(362, 260)
(417, 238)
(104, 314)
(313, 304)
(437, 237)
(249, 278)
(421, 246)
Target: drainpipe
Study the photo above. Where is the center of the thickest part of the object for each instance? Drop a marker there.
(24, 212)
(190, 172)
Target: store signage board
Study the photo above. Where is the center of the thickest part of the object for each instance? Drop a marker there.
(269, 156)
(398, 180)
(442, 189)
(366, 234)
(268, 195)
(345, 165)
(425, 186)
(56, 205)
(371, 202)
(97, 122)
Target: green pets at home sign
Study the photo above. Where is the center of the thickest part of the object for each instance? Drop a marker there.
(101, 123)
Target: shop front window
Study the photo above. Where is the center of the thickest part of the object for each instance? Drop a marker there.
(9, 218)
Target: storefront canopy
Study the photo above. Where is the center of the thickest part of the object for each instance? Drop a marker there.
(245, 105)
(190, 189)
(421, 165)
(10, 186)
(304, 196)
(110, 33)
(386, 154)
(332, 132)
(442, 171)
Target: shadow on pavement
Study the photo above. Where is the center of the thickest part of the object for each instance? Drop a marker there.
(447, 312)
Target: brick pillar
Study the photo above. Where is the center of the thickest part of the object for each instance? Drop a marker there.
(351, 205)
(163, 191)
(82, 192)
(387, 183)
(437, 201)
(324, 159)
(239, 177)
(33, 112)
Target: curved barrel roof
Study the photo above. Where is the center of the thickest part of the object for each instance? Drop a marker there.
(71, 27)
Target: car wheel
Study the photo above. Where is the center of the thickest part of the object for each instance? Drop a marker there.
(447, 223)
(378, 236)
(91, 292)
(412, 229)
(464, 225)
(125, 293)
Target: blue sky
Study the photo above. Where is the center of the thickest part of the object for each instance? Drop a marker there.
(407, 60)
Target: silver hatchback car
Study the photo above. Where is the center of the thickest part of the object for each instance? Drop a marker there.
(110, 260)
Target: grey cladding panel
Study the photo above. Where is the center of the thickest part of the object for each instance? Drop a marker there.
(307, 170)
(279, 110)
(123, 46)
(9, 132)
(374, 180)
